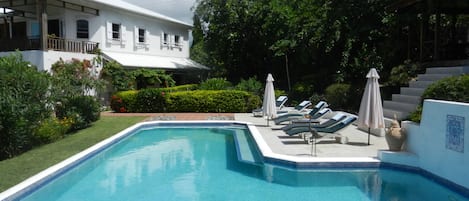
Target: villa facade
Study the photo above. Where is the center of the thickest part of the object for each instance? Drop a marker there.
(45, 31)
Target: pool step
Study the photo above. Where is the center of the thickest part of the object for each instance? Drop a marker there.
(246, 148)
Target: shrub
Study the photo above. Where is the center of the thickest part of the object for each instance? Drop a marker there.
(124, 101)
(301, 91)
(251, 85)
(147, 78)
(212, 101)
(117, 76)
(150, 100)
(82, 110)
(452, 89)
(215, 84)
(337, 96)
(50, 130)
(24, 102)
(185, 87)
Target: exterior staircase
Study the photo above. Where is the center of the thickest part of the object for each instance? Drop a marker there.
(407, 101)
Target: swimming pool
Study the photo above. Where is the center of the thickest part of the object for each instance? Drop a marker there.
(201, 162)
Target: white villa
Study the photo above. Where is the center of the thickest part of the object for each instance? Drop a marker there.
(46, 30)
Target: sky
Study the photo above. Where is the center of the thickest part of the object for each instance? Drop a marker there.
(177, 9)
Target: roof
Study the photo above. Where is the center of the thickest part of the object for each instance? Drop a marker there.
(139, 10)
(152, 61)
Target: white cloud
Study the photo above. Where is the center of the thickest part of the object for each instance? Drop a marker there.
(177, 9)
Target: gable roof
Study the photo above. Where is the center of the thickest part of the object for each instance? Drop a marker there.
(139, 10)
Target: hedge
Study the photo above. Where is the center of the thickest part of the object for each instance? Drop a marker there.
(157, 100)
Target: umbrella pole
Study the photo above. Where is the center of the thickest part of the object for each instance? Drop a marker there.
(369, 129)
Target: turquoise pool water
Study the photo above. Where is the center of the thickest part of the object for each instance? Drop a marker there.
(201, 163)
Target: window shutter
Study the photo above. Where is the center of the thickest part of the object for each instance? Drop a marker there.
(123, 34)
(181, 41)
(162, 38)
(135, 35)
(108, 31)
(147, 34)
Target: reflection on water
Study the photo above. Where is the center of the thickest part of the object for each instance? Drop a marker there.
(201, 164)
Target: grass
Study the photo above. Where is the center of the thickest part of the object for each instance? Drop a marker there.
(17, 169)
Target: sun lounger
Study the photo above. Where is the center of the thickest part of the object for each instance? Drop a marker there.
(298, 114)
(280, 102)
(294, 129)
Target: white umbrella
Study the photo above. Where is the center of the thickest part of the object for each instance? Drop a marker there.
(370, 114)
(269, 109)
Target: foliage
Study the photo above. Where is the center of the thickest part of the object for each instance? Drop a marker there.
(243, 38)
(117, 76)
(402, 74)
(215, 84)
(250, 85)
(51, 129)
(337, 96)
(73, 78)
(212, 101)
(185, 87)
(301, 91)
(453, 88)
(81, 110)
(124, 101)
(315, 98)
(24, 102)
(145, 78)
(150, 100)
(19, 168)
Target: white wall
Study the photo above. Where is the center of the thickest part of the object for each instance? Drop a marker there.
(428, 146)
(154, 28)
(43, 60)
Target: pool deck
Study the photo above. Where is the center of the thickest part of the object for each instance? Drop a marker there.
(280, 143)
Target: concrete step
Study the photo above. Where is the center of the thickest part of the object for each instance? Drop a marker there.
(406, 99)
(400, 106)
(448, 70)
(432, 77)
(412, 91)
(400, 115)
(420, 84)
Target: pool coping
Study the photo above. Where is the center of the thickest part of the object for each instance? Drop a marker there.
(36, 181)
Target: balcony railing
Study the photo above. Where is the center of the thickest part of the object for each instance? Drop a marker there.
(53, 43)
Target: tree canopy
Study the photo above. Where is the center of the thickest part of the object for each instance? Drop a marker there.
(321, 41)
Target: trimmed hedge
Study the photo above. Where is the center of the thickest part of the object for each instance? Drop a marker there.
(185, 87)
(157, 100)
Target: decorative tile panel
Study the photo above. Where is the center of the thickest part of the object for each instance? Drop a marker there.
(455, 133)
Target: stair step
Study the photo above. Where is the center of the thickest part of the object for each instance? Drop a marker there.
(400, 115)
(406, 98)
(412, 91)
(393, 105)
(420, 84)
(432, 77)
(448, 70)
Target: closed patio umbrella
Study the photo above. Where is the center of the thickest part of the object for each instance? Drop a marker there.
(370, 114)
(269, 108)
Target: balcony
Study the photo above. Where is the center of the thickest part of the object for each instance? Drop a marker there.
(53, 43)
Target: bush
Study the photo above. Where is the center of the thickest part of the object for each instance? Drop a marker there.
(150, 100)
(82, 110)
(24, 102)
(212, 101)
(185, 87)
(124, 101)
(452, 89)
(50, 130)
(301, 91)
(251, 85)
(215, 84)
(337, 96)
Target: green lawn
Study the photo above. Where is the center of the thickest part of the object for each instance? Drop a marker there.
(15, 170)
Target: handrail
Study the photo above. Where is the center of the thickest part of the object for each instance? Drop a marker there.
(66, 45)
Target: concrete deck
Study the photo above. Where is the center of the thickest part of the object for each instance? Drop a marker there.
(280, 143)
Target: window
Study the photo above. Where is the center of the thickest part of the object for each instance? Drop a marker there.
(165, 38)
(176, 40)
(141, 35)
(82, 29)
(116, 31)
